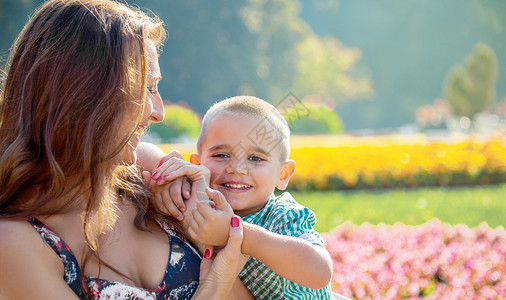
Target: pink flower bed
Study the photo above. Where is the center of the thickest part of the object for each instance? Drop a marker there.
(430, 261)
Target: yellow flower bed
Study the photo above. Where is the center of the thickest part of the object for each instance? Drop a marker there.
(346, 162)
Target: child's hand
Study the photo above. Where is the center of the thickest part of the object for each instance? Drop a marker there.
(169, 197)
(172, 189)
(211, 220)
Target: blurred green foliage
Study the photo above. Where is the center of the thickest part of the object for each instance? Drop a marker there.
(179, 121)
(324, 66)
(319, 119)
(407, 49)
(470, 87)
(469, 205)
(377, 60)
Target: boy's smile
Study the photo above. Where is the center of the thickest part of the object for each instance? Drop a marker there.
(237, 186)
(245, 171)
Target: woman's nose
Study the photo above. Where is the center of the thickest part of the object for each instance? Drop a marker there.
(157, 113)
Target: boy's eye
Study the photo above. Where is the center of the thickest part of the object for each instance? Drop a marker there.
(221, 155)
(255, 158)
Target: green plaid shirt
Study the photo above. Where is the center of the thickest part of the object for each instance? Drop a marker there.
(282, 215)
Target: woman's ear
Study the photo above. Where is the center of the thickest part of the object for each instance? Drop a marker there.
(286, 173)
(195, 159)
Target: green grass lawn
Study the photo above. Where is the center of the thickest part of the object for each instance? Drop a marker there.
(469, 205)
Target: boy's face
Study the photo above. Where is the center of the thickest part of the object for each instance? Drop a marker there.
(243, 166)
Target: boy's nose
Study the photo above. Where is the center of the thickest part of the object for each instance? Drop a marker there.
(237, 166)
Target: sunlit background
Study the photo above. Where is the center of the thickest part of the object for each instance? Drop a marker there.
(398, 115)
(377, 64)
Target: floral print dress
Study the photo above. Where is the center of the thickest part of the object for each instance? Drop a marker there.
(179, 282)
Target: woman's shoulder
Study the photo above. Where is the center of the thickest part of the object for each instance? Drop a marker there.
(25, 258)
(14, 231)
(20, 244)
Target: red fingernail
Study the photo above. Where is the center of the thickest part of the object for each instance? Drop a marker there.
(235, 222)
(161, 163)
(166, 176)
(159, 180)
(207, 253)
(154, 175)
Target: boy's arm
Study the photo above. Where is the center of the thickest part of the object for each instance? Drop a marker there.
(290, 257)
(294, 258)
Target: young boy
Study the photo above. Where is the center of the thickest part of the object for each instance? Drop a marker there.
(244, 142)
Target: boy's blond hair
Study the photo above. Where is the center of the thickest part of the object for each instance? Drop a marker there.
(252, 107)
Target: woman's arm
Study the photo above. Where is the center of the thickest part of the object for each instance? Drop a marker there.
(218, 274)
(148, 156)
(29, 269)
(292, 258)
(240, 291)
(169, 196)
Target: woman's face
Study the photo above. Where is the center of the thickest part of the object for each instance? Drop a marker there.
(153, 108)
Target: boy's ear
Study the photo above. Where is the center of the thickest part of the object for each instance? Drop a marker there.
(195, 159)
(286, 174)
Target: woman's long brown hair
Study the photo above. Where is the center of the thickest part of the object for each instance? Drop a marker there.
(74, 81)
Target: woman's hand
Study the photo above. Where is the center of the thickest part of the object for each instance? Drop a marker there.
(219, 272)
(150, 159)
(169, 197)
(174, 182)
(174, 169)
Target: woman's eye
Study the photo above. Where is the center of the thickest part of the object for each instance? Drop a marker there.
(152, 90)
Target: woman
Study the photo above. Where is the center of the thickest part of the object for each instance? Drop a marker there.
(81, 87)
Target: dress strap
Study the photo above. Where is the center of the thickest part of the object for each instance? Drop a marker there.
(63, 250)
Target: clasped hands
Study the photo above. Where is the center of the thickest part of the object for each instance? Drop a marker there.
(181, 189)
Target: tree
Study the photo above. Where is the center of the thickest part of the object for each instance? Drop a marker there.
(313, 115)
(276, 28)
(179, 121)
(325, 66)
(218, 49)
(291, 56)
(222, 48)
(470, 87)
